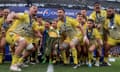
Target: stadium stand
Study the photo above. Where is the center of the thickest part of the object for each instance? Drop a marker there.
(105, 3)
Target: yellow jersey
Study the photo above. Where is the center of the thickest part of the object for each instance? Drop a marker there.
(93, 34)
(79, 34)
(113, 27)
(116, 21)
(23, 27)
(1, 22)
(68, 27)
(42, 26)
(98, 17)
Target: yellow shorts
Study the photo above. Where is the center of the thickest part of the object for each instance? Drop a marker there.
(29, 39)
(112, 41)
(93, 42)
(67, 40)
(36, 40)
(80, 38)
(0, 34)
(11, 38)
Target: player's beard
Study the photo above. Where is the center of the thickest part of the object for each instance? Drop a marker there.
(61, 17)
(110, 16)
(33, 15)
(97, 10)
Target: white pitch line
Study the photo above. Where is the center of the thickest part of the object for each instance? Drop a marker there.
(50, 68)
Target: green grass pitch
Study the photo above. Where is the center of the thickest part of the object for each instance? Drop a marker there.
(61, 68)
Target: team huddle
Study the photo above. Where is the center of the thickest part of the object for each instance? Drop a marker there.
(83, 38)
